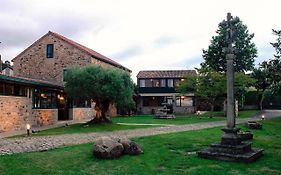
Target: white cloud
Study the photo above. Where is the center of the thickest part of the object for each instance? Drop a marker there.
(166, 34)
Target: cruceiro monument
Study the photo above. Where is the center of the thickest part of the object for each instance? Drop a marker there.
(231, 148)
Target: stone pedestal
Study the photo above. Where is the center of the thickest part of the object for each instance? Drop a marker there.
(231, 148)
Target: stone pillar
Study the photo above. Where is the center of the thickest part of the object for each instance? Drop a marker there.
(230, 92)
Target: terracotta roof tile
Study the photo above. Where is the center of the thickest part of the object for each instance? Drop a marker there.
(165, 73)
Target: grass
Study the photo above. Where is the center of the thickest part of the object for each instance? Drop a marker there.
(163, 154)
(141, 119)
(82, 128)
(181, 119)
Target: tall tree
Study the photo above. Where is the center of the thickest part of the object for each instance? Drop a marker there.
(104, 86)
(273, 66)
(245, 49)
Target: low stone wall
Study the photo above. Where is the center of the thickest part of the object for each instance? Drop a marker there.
(80, 114)
(14, 113)
(180, 110)
(184, 110)
(43, 117)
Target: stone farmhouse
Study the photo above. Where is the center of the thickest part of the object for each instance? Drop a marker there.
(157, 87)
(35, 93)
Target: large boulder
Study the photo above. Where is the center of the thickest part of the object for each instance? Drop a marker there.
(130, 147)
(107, 148)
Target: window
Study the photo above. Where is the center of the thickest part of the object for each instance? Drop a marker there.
(170, 83)
(79, 103)
(1, 88)
(169, 100)
(177, 82)
(178, 101)
(44, 99)
(184, 101)
(155, 83)
(64, 74)
(9, 89)
(50, 50)
(142, 83)
(163, 83)
(153, 101)
(20, 90)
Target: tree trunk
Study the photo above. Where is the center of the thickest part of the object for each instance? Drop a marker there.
(212, 107)
(261, 101)
(101, 109)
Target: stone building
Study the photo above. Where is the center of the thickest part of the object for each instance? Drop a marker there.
(35, 93)
(6, 68)
(158, 87)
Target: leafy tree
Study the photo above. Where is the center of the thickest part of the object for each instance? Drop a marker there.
(211, 85)
(261, 74)
(273, 66)
(208, 84)
(104, 86)
(242, 82)
(246, 51)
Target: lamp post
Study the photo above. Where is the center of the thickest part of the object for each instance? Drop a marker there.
(28, 129)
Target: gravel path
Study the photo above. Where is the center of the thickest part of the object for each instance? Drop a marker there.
(44, 143)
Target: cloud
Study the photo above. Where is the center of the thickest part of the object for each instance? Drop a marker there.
(141, 35)
(128, 52)
(166, 40)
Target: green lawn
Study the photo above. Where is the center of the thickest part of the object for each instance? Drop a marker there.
(163, 154)
(181, 119)
(82, 128)
(140, 119)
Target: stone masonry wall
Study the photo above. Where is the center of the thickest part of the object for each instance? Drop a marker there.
(80, 114)
(179, 110)
(33, 63)
(14, 113)
(43, 117)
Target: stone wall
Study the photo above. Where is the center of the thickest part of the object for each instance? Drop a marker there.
(179, 110)
(33, 63)
(184, 110)
(14, 113)
(43, 117)
(81, 114)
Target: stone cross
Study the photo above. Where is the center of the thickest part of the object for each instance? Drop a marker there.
(230, 71)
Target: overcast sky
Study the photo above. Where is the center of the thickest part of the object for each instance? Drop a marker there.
(139, 34)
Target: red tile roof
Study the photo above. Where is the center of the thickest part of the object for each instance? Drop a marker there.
(165, 73)
(82, 48)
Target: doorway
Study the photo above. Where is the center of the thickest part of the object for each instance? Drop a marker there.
(62, 103)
